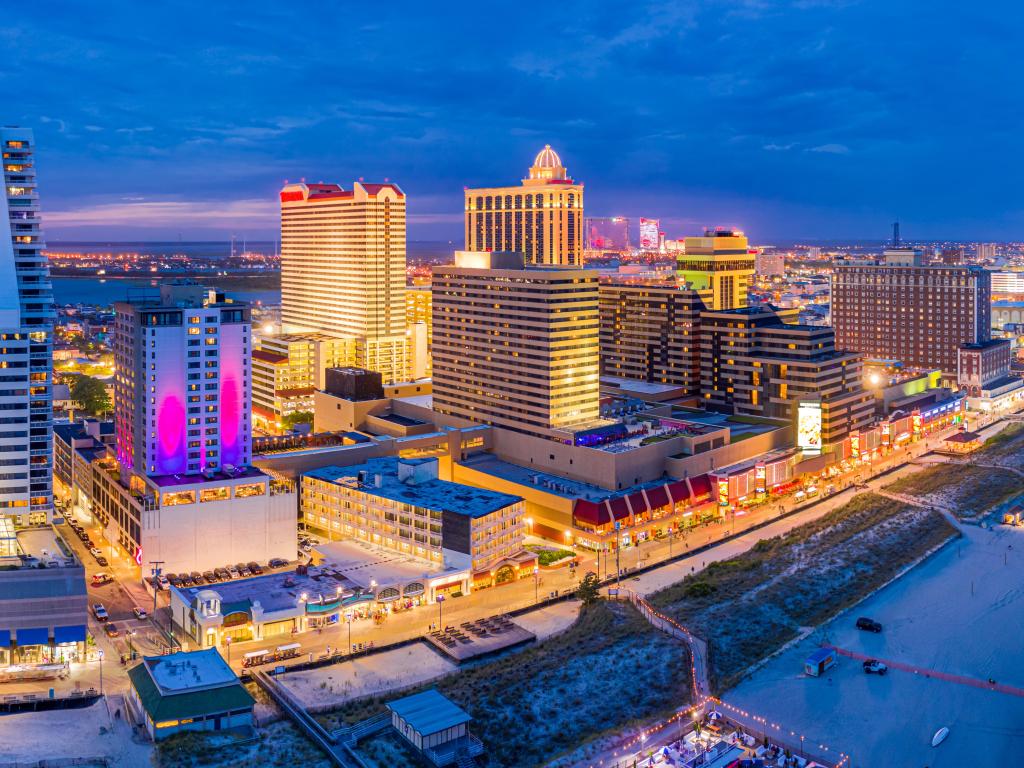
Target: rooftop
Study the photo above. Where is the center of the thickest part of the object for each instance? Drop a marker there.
(220, 475)
(430, 493)
(33, 547)
(429, 712)
(362, 564)
(189, 671)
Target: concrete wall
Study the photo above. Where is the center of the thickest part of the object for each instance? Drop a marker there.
(202, 536)
(743, 450)
(42, 597)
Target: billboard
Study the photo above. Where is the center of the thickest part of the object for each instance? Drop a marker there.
(855, 444)
(723, 491)
(808, 426)
(761, 478)
(650, 234)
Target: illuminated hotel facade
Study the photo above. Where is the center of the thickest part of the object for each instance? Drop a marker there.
(515, 346)
(26, 340)
(541, 218)
(719, 267)
(183, 384)
(343, 264)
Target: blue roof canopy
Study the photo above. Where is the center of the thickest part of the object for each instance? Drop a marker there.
(429, 712)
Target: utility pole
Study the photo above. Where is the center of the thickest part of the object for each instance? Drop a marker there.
(155, 570)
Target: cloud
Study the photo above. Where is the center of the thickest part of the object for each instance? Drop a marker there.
(780, 147)
(208, 214)
(831, 149)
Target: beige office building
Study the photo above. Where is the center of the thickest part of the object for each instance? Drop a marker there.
(516, 346)
(286, 369)
(541, 218)
(343, 269)
(719, 266)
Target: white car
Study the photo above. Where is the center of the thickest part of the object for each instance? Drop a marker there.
(99, 612)
(96, 552)
(875, 667)
(163, 582)
(140, 613)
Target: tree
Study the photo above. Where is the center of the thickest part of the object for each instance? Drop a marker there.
(91, 394)
(299, 417)
(589, 589)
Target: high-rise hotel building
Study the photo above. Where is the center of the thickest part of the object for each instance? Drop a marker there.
(26, 340)
(182, 492)
(515, 346)
(183, 385)
(343, 269)
(718, 266)
(541, 218)
(902, 310)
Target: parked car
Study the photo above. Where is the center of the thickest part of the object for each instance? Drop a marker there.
(210, 577)
(162, 582)
(233, 572)
(100, 612)
(243, 569)
(875, 667)
(868, 625)
(255, 569)
(140, 613)
(197, 578)
(176, 581)
(111, 630)
(102, 561)
(222, 574)
(277, 562)
(96, 552)
(101, 578)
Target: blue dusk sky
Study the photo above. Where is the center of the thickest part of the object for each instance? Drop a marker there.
(791, 119)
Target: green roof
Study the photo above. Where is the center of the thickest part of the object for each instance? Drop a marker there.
(188, 704)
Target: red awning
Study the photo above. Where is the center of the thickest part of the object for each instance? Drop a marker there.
(638, 503)
(619, 507)
(679, 491)
(590, 513)
(657, 497)
(700, 487)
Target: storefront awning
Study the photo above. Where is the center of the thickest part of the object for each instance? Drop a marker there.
(5, 638)
(657, 497)
(700, 487)
(590, 513)
(619, 508)
(637, 502)
(73, 634)
(678, 490)
(35, 636)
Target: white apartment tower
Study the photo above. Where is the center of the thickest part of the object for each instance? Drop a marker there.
(183, 392)
(343, 269)
(26, 340)
(516, 346)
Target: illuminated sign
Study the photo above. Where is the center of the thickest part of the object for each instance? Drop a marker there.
(760, 478)
(723, 491)
(886, 427)
(855, 444)
(808, 426)
(916, 421)
(138, 555)
(649, 234)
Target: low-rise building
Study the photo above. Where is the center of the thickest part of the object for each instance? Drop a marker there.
(195, 522)
(400, 504)
(43, 600)
(188, 691)
(435, 726)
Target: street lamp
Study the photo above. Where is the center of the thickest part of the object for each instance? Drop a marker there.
(440, 600)
(348, 619)
(536, 583)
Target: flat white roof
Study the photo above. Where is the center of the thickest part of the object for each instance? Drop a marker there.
(363, 563)
(190, 670)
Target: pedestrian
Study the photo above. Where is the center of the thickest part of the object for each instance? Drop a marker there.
(328, 650)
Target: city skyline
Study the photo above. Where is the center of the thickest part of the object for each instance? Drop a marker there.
(812, 120)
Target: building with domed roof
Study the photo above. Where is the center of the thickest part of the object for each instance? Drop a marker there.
(541, 218)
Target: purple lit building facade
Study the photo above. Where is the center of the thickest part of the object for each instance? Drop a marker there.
(183, 387)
